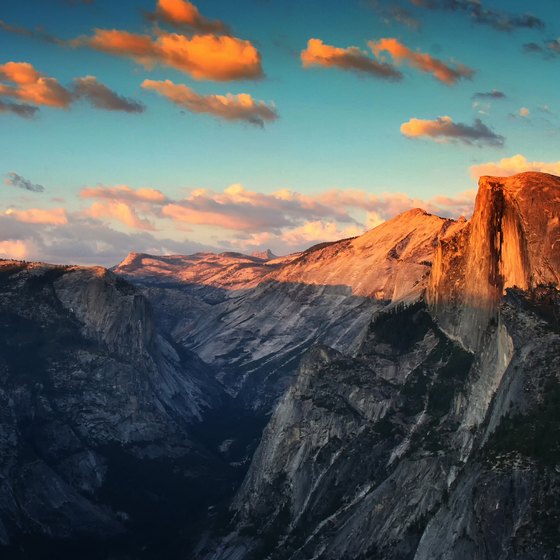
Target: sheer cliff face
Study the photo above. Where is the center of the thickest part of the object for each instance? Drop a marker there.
(512, 240)
(438, 439)
(253, 320)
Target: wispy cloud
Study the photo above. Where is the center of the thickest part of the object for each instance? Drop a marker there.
(443, 129)
(45, 216)
(14, 180)
(448, 73)
(479, 14)
(352, 59)
(20, 109)
(229, 107)
(102, 97)
(547, 49)
(489, 95)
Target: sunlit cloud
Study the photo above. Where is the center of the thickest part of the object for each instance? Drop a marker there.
(204, 57)
(444, 130)
(27, 84)
(14, 249)
(14, 180)
(513, 165)
(31, 86)
(186, 16)
(52, 216)
(115, 210)
(448, 73)
(124, 193)
(352, 59)
(229, 107)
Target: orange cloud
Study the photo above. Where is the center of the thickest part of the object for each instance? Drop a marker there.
(32, 86)
(228, 107)
(180, 213)
(51, 217)
(443, 129)
(120, 212)
(513, 165)
(14, 249)
(443, 72)
(318, 231)
(124, 193)
(204, 57)
(183, 14)
(351, 58)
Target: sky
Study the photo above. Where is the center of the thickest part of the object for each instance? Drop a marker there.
(165, 126)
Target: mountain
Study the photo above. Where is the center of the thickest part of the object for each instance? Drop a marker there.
(253, 320)
(439, 438)
(99, 419)
(392, 396)
(266, 255)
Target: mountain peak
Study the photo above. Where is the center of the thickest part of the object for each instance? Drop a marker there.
(266, 255)
(510, 241)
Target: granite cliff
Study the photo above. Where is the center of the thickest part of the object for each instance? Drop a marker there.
(438, 438)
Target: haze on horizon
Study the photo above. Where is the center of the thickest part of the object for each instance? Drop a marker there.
(165, 126)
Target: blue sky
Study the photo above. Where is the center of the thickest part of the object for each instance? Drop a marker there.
(334, 129)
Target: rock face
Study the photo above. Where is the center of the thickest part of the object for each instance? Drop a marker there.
(253, 320)
(438, 439)
(512, 240)
(97, 414)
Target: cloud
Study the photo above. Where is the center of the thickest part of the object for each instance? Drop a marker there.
(102, 97)
(494, 94)
(20, 109)
(394, 12)
(31, 86)
(204, 57)
(513, 165)
(352, 59)
(318, 231)
(83, 241)
(124, 193)
(125, 205)
(443, 129)
(14, 180)
(446, 73)
(240, 107)
(14, 249)
(236, 217)
(185, 15)
(478, 14)
(548, 49)
(52, 216)
(121, 212)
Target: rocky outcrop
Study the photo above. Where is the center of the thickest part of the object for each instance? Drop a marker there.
(511, 240)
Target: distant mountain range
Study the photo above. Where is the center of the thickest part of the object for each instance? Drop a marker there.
(407, 380)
